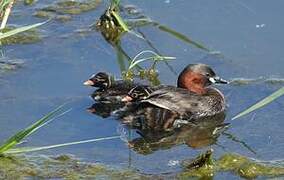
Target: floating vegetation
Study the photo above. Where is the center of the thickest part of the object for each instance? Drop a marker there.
(67, 167)
(245, 81)
(63, 166)
(246, 167)
(262, 103)
(63, 9)
(20, 35)
(29, 2)
(204, 166)
(45, 14)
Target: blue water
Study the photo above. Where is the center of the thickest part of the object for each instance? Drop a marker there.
(248, 35)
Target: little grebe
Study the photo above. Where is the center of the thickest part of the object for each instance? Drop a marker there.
(192, 99)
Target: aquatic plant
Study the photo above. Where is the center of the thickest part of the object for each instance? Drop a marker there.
(10, 35)
(205, 166)
(19, 136)
(65, 9)
(5, 9)
(8, 147)
(149, 73)
(155, 58)
(41, 148)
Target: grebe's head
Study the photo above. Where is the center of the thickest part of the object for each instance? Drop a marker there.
(196, 77)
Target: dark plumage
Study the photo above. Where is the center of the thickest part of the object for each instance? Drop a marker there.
(191, 100)
(109, 90)
(186, 103)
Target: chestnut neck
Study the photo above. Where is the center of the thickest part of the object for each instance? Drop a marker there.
(193, 82)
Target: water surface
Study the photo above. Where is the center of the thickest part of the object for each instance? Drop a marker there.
(248, 35)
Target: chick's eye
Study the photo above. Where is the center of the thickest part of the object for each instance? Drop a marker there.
(135, 95)
(207, 74)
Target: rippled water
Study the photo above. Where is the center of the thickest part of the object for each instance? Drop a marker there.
(248, 35)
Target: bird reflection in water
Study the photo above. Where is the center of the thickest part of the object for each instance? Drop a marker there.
(195, 134)
(161, 129)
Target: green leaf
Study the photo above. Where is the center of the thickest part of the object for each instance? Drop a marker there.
(153, 58)
(120, 21)
(124, 25)
(18, 137)
(19, 30)
(156, 57)
(261, 103)
(32, 149)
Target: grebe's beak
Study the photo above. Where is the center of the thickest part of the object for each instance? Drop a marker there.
(89, 83)
(127, 99)
(217, 79)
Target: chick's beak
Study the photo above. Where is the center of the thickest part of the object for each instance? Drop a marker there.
(127, 99)
(91, 110)
(217, 79)
(89, 83)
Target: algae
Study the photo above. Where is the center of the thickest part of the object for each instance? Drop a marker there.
(247, 168)
(63, 166)
(63, 10)
(27, 37)
(202, 166)
(29, 2)
(205, 166)
(68, 167)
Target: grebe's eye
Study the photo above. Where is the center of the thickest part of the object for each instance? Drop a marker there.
(207, 74)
